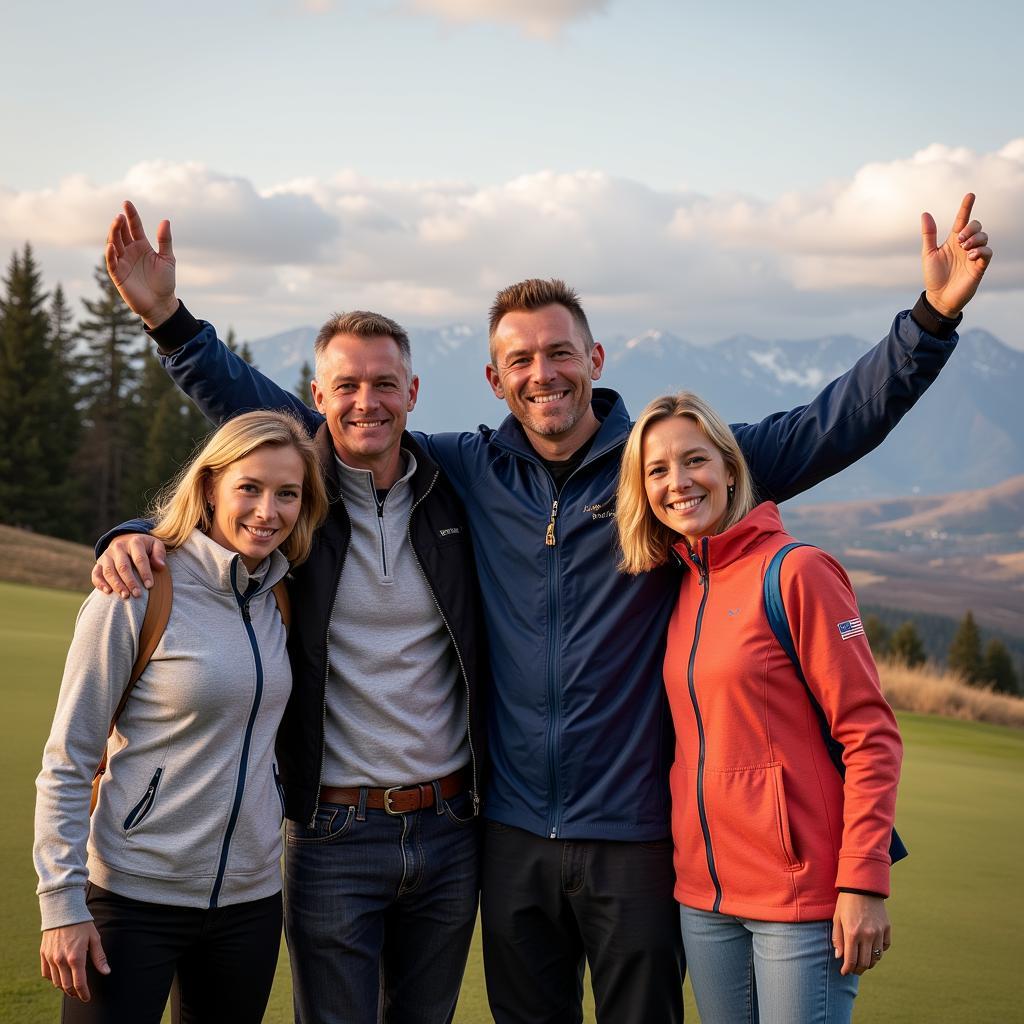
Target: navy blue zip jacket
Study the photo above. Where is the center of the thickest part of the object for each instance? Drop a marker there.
(578, 725)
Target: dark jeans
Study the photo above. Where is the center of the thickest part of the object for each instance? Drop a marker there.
(379, 912)
(224, 959)
(549, 904)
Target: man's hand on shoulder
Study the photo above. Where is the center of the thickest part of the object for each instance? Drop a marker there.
(953, 271)
(144, 278)
(130, 554)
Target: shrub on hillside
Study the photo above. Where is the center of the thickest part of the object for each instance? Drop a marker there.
(930, 691)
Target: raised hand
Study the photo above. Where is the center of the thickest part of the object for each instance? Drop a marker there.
(144, 278)
(953, 271)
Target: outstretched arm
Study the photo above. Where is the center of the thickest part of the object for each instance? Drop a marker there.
(791, 452)
(218, 381)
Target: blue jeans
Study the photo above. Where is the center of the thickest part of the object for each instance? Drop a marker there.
(379, 912)
(765, 972)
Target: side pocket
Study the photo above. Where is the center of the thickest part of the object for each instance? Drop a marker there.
(782, 812)
(142, 808)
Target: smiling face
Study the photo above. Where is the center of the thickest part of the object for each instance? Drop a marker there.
(543, 371)
(364, 391)
(685, 477)
(256, 501)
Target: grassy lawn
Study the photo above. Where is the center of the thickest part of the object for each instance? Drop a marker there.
(956, 910)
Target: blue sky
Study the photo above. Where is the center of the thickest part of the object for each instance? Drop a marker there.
(709, 169)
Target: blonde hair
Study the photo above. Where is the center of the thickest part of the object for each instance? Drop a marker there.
(645, 541)
(181, 506)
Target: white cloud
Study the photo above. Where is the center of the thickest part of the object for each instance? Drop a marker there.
(544, 18)
(429, 252)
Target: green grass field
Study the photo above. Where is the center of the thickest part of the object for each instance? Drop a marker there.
(956, 911)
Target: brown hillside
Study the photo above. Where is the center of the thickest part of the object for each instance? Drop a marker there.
(27, 557)
(998, 509)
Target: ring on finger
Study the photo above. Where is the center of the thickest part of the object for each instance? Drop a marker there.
(876, 954)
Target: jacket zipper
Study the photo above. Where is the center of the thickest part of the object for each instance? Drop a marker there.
(280, 788)
(549, 536)
(705, 582)
(458, 654)
(243, 602)
(327, 664)
(380, 525)
(141, 809)
(554, 632)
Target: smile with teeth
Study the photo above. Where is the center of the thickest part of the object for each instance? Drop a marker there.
(552, 396)
(685, 505)
(262, 532)
(367, 424)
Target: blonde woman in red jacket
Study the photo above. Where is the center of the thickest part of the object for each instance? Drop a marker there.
(782, 868)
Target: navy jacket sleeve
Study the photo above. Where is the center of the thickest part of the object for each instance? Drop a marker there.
(132, 526)
(222, 384)
(792, 451)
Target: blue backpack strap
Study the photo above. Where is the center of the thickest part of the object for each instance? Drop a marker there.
(775, 610)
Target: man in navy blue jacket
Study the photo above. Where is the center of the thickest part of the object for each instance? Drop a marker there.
(577, 854)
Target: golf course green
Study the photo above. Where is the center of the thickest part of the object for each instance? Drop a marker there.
(956, 910)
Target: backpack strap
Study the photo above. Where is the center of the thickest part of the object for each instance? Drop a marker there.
(775, 610)
(284, 603)
(154, 622)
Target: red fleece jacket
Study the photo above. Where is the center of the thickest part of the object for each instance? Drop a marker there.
(764, 826)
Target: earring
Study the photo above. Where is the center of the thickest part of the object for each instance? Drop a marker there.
(209, 508)
(731, 491)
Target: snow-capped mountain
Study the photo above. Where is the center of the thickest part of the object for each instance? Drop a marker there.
(966, 432)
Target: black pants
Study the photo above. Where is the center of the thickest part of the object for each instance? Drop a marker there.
(549, 905)
(224, 960)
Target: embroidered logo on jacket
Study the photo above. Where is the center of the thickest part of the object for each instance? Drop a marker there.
(601, 510)
(851, 627)
(449, 530)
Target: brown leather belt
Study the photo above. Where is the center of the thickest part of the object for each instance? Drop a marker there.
(398, 799)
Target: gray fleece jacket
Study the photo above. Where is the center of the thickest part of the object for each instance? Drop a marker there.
(190, 808)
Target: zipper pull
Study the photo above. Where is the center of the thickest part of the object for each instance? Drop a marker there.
(549, 537)
(245, 613)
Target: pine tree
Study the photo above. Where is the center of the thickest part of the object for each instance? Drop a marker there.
(168, 427)
(965, 651)
(905, 646)
(997, 668)
(33, 404)
(110, 451)
(242, 350)
(67, 418)
(302, 387)
(878, 635)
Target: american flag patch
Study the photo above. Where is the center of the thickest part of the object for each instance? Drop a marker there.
(851, 627)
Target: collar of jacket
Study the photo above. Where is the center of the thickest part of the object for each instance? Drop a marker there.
(725, 548)
(212, 565)
(608, 408)
(423, 475)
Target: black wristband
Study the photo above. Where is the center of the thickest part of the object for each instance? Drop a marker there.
(862, 892)
(932, 322)
(179, 327)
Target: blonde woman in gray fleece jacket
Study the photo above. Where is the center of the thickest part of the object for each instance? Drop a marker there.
(178, 871)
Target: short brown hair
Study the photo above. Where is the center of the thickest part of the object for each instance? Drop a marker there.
(363, 324)
(536, 293)
(645, 540)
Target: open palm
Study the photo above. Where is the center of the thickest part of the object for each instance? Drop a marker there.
(144, 277)
(953, 271)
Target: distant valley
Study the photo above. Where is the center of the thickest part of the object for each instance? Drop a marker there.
(937, 555)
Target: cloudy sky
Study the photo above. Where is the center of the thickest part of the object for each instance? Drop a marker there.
(707, 169)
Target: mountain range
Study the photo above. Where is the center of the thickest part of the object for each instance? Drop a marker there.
(966, 432)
